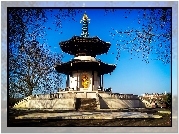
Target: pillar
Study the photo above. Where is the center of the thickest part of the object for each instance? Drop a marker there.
(68, 84)
(102, 80)
(67, 81)
(93, 80)
(77, 80)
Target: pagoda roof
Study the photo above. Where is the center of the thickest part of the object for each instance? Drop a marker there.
(89, 45)
(76, 64)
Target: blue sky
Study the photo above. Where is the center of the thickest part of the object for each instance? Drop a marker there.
(132, 74)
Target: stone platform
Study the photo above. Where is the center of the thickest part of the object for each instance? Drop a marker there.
(76, 100)
(88, 115)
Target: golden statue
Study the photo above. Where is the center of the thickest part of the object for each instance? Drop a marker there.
(85, 17)
(85, 81)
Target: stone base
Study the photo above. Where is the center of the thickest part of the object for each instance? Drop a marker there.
(89, 100)
(88, 115)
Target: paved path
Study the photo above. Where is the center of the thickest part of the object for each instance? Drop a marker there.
(88, 115)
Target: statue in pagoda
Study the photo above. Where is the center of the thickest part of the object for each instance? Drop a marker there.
(85, 81)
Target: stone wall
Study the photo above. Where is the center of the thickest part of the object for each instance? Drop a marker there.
(117, 101)
(107, 103)
(68, 101)
(65, 104)
(79, 95)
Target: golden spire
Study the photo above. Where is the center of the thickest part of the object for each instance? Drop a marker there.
(85, 21)
(85, 17)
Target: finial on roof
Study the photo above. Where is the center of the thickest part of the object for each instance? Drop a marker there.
(85, 20)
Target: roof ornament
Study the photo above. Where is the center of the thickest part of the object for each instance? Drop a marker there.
(85, 20)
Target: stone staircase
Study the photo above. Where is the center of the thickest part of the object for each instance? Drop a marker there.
(23, 103)
(86, 104)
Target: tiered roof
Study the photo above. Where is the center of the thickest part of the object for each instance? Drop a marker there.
(90, 46)
(85, 46)
(74, 65)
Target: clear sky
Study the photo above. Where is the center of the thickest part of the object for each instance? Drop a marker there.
(132, 74)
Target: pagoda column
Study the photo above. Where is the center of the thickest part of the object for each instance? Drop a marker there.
(102, 82)
(77, 79)
(67, 81)
(93, 80)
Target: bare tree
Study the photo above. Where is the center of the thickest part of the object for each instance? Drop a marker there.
(29, 70)
(152, 36)
(30, 62)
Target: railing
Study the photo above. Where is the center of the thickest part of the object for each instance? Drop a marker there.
(54, 96)
(118, 96)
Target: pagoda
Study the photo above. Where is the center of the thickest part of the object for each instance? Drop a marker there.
(84, 83)
(84, 72)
